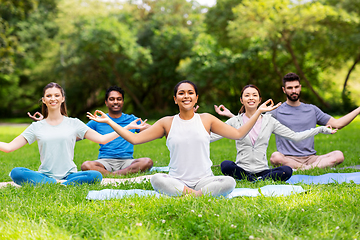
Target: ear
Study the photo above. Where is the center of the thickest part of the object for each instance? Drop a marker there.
(197, 97)
(283, 89)
(175, 100)
(241, 101)
(43, 101)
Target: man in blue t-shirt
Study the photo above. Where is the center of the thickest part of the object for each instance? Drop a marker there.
(299, 117)
(116, 157)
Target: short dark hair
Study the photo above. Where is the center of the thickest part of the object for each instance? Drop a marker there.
(290, 77)
(185, 81)
(114, 88)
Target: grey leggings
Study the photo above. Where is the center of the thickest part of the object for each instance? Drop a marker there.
(213, 185)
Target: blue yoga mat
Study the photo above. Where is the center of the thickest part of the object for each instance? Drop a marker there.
(160, 169)
(326, 178)
(268, 191)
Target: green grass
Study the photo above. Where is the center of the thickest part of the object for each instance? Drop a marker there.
(56, 212)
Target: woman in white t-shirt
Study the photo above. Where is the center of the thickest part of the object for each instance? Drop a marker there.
(251, 162)
(188, 140)
(56, 135)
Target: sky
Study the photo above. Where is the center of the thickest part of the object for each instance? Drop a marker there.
(209, 3)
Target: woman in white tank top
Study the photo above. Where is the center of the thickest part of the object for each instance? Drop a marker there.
(188, 140)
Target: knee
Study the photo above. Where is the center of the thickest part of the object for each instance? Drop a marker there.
(227, 167)
(17, 172)
(276, 158)
(156, 181)
(148, 163)
(287, 172)
(339, 157)
(86, 166)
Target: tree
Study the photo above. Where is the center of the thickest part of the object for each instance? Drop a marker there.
(295, 29)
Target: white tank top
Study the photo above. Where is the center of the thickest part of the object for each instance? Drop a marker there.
(189, 146)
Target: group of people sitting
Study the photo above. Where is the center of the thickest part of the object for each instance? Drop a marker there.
(188, 136)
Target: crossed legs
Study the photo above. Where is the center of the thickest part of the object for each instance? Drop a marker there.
(137, 165)
(212, 185)
(302, 163)
(21, 176)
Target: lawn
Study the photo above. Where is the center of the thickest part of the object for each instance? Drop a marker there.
(57, 212)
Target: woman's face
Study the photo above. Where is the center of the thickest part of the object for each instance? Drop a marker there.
(53, 98)
(186, 96)
(250, 98)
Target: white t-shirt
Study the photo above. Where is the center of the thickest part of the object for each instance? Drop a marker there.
(56, 145)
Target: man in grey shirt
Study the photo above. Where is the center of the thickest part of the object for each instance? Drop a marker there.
(299, 117)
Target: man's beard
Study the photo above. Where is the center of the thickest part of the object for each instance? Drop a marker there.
(293, 97)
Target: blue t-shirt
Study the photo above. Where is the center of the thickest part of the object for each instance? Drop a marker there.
(119, 147)
(298, 119)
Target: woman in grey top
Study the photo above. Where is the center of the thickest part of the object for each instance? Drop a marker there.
(251, 162)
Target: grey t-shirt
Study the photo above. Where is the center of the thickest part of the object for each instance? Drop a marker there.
(298, 119)
(56, 145)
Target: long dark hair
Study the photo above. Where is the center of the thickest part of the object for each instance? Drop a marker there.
(44, 108)
(242, 109)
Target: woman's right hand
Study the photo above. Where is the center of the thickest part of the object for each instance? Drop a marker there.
(36, 117)
(268, 106)
(98, 116)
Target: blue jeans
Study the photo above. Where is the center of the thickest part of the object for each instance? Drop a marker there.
(21, 175)
(230, 168)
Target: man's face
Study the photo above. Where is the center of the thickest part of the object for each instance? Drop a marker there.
(292, 90)
(115, 102)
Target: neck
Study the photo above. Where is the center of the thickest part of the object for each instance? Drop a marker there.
(250, 112)
(292, 103)
(186, 115)
(115, 115)
(54, 117)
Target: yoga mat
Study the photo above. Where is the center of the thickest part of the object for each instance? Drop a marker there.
(326, 178)
(159, 169)
(268, 191)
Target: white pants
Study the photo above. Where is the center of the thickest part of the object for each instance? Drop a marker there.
(213, 185)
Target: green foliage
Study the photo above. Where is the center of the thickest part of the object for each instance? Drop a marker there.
(147, 47)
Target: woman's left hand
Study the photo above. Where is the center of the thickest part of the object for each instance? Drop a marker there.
(268, 106)
(99, 116)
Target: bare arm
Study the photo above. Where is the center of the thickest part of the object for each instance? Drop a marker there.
(227, 131)
(154, 132)
(94, 136)
(343, 121)
(15, 144)
(223, 111)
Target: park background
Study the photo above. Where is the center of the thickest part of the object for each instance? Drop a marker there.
(146, 47)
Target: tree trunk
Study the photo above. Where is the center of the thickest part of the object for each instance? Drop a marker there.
(300, 71)
(356, 61)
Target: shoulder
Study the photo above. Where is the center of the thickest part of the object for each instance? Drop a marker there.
(206, 116)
